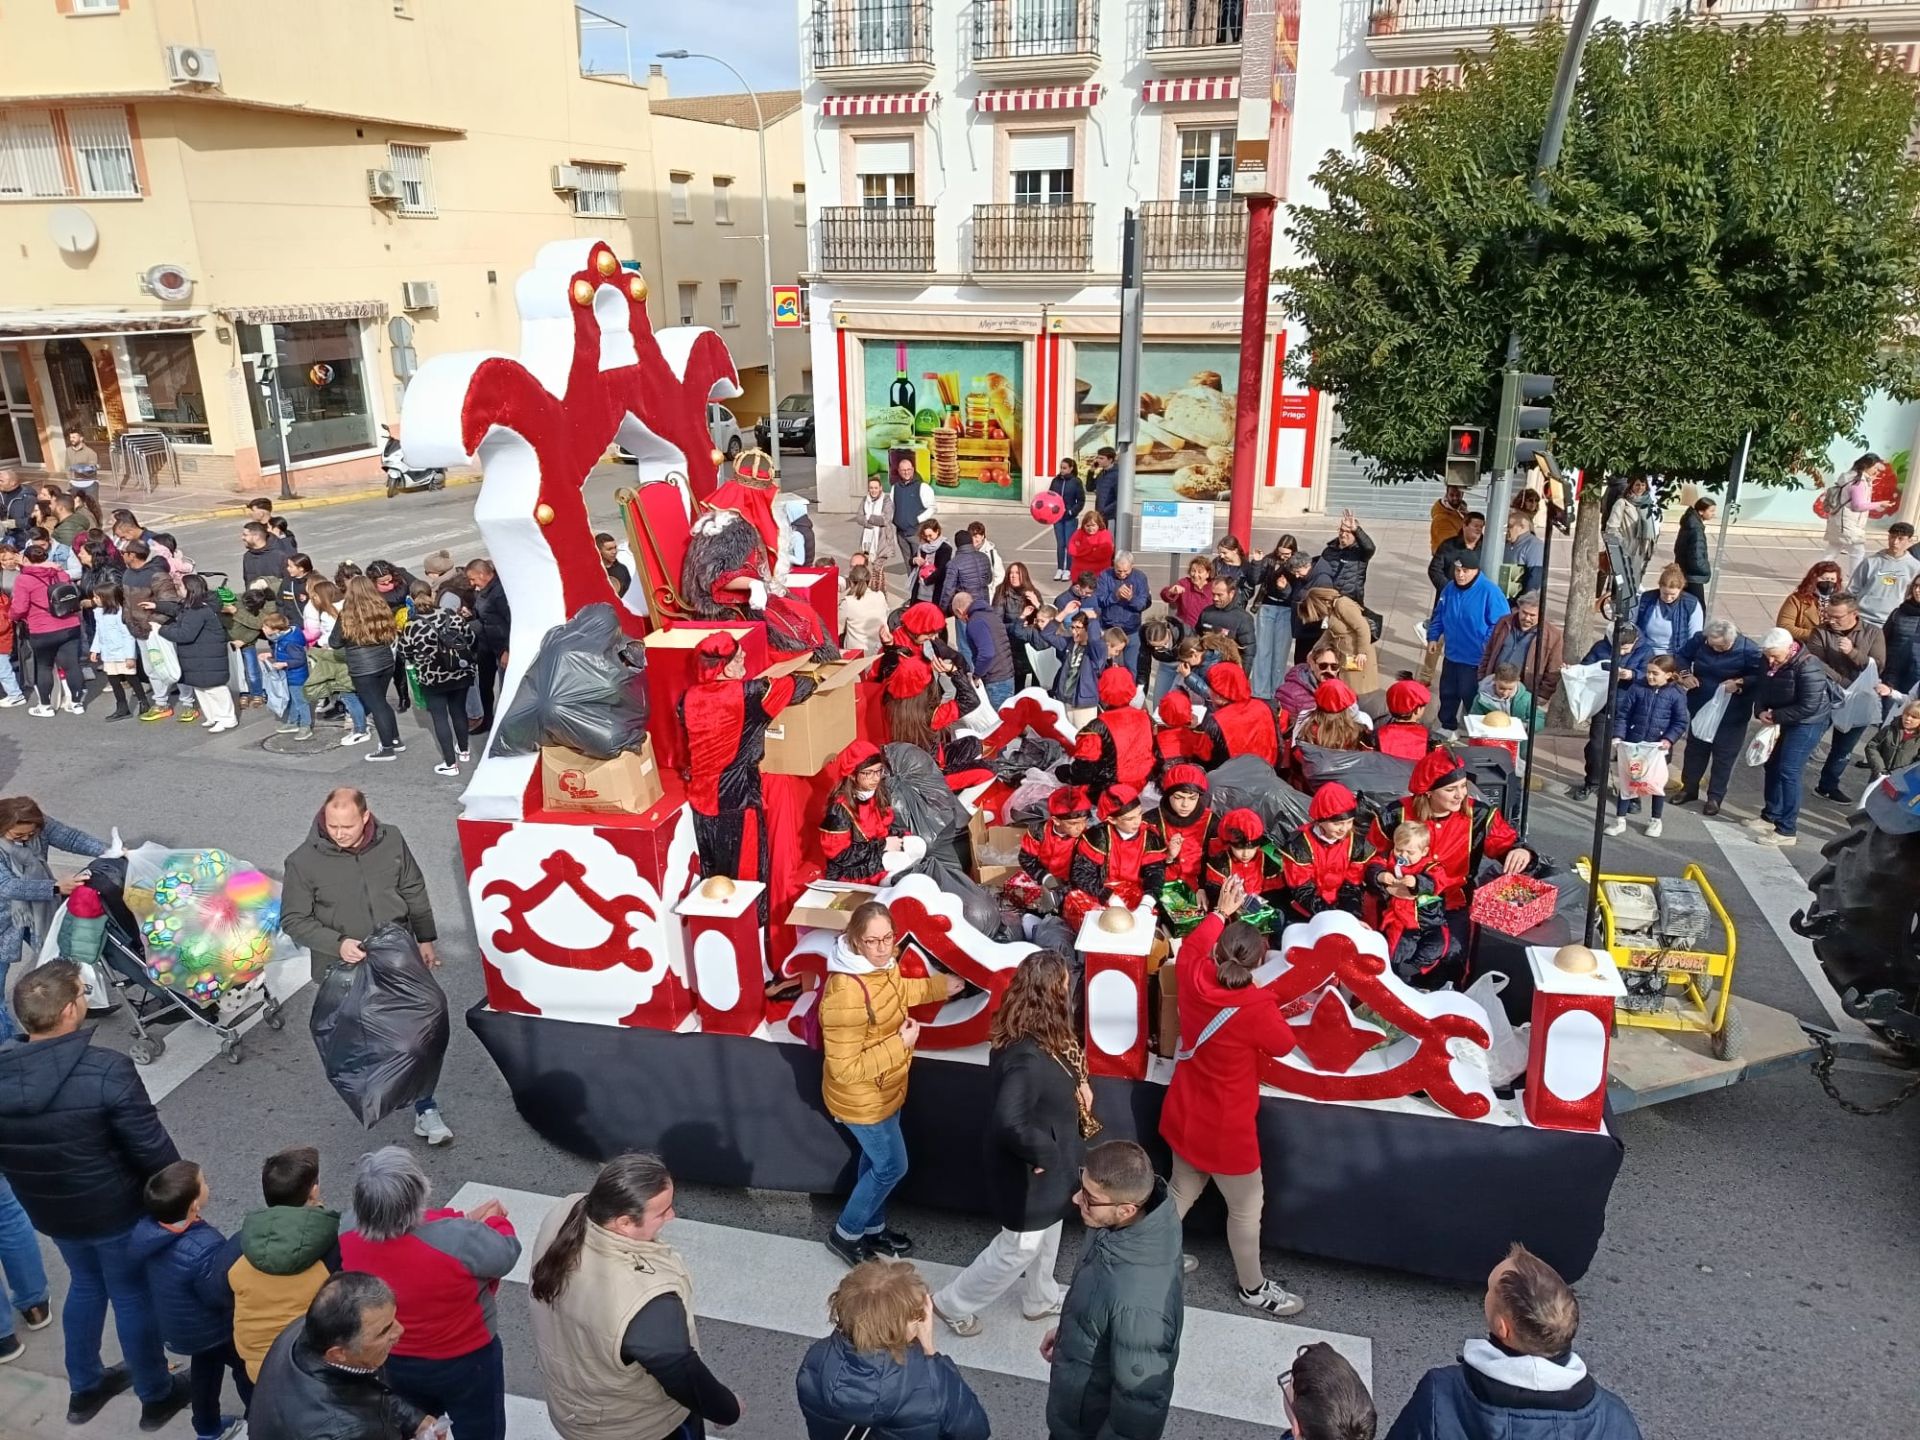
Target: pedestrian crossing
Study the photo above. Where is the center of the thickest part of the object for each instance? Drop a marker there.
(780, 1282)
(191, 1046)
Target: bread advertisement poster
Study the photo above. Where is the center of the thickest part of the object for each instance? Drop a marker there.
(954, 407)
(1185, 445)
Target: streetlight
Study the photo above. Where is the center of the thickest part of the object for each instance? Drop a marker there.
(766, 247)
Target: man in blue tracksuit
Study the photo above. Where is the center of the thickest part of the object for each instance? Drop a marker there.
(1463, 618)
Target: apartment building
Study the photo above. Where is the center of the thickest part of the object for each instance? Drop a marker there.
(706, 172)
(191, 187)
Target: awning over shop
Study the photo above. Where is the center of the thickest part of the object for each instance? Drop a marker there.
(295, 314)
(16, 325)
(1187, 89)
(1406, 80)
(1052, 97)
(915, 104)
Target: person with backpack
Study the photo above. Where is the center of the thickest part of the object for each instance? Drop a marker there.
(49, 601)
(439, 645)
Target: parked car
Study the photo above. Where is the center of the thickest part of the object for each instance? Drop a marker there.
(725, 430)
(796, 426)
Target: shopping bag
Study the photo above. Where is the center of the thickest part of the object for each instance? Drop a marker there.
(1859, 704)
(274, 682)
(1760, 747)
(413, 686)
(163, 662)
(1507, 1054)
(1585, 687)
(237, 673)
(381, 1027)
(1706, 724)
(1640, 769)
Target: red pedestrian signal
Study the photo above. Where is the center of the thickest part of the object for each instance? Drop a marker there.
(1463, 455)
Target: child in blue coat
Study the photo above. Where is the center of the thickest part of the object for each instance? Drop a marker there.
(1653, 710)
(181, 1256)
(289, 657)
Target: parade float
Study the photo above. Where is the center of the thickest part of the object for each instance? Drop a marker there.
(631, 1000)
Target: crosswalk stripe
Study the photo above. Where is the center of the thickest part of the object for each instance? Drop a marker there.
(780, 1282)
(190, 1046)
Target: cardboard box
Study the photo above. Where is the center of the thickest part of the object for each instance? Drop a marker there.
(993, 841)
(803, 738)
(1166, 1011)
(819, 586)
(818, 909)
(628, 784)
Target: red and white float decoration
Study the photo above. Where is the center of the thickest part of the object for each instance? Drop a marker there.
(1116, 942)
(1574, 990)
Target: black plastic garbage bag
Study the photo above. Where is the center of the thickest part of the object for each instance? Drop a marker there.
(381, 1027)
(1375, 778)
(1248, 782)
(586, 689)
(920, 796)
(1029, 752)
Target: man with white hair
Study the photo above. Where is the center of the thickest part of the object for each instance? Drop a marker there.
(1718, 659)
(1791, 693)
(1122, 598)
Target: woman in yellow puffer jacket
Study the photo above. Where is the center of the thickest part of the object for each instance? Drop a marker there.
(868, 1040)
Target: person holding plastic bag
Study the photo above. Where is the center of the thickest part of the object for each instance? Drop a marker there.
(1635, 653)
(1652, 714)
(1717, 667)
(1793, 698)
(1849, 647)
(352, 875)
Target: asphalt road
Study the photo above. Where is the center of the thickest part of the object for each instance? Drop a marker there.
(1756, 1277)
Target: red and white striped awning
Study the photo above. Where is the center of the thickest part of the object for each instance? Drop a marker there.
(1185, 91)
(916, 104)
(1055, 97)
(1406, 80)
(1907, 57)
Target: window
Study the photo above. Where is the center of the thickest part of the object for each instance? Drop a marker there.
(95, 142)
(599, 192)
(729, 302)
(1041, 163)
(722, 200)
(800, 206)
(885, 168)
(323, 383)
(689, 298)
(677, 194)
(412, 166)
(166, 387)
(1206, 163)
(806, 307)
(95, 7)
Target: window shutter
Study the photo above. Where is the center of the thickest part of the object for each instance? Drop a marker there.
(1050, 150)
(883, 157)
(102, 150)
(32, 162)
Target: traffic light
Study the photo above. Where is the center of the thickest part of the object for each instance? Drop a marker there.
(1524, 421)
(1464, 446)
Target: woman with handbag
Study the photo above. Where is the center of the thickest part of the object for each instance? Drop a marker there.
(1042, 1115)
(48, 600)
(877, 534)
(1228, 1026)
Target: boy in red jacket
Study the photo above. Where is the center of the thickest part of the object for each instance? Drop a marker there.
(1241, 853)
(1404, 736)
(1046, 852)
(1415, 920)
(1324, 862)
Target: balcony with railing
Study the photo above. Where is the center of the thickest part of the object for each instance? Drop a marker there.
(861, 44)
(1895, 19)
(1441, 27)
(1036, 39)
(1190, 237)
(876, 240)
(1032, 239)
(1189, 37)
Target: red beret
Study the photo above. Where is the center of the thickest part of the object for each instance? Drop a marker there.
(923, 619)
(1118, 800)
(1229, 682)
(1176, 709)
(858, 756)
(1439, 767)
(1332, 801)
(1243, 827)
(714, 652)
(1183, 777)
(1407, 697)
(1333, 697)
(910, 677)
(1116, 687)
(1069, 801)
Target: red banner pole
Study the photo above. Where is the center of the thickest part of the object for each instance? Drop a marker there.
(1253, 345)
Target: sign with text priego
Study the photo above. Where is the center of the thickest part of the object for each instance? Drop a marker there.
(1177, 527)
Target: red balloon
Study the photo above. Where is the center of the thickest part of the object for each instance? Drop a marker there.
(1048, 507)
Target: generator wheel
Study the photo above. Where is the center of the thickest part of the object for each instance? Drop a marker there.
(1730, 1040)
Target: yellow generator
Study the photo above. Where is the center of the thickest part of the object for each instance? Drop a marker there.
(1674, 943)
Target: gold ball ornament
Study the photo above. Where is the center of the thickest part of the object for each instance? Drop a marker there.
(583, 292)
(637, 287)
(543, 513)
(717, 456)
(606, 264)
(718, 888)
(1115, 920)
(1576, 960)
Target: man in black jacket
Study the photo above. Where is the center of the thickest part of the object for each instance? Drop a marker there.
(1227, 616)
(1346, 556)
(323, 1376)
(16, 506)
(1690, 550)
(266, 556)
(1465, 545)
(78, 1141)
(1793, 694)
(496, 632)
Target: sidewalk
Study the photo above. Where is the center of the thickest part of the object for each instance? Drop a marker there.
(197, 498)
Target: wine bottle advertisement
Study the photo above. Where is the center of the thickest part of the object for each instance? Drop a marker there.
(954, 407)
(1184, 449)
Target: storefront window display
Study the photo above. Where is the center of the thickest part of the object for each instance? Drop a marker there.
(324, 384)
(1184, 450)
(954, 406)
(166, 392)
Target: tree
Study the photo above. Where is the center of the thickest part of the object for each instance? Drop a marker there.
(1728, 242)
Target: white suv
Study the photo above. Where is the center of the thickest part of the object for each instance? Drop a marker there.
(725, 430)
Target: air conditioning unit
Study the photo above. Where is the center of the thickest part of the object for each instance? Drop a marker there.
(382, 185)
(419, 295)
(566, 177)
(192, 65)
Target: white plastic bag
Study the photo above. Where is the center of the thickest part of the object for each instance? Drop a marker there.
(1706, 724)
(1640, 768)
(1760, 747)
(274, 682)
(1507, 1054)
(1859, 705)
(163, 662)
(1585, 687)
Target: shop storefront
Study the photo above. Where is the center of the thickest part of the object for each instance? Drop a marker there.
(323, 373)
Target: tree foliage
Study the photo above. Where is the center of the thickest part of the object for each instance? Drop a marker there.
(1729, 242)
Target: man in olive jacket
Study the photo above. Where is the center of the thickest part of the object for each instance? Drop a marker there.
(352, 875)
(1114, 1351)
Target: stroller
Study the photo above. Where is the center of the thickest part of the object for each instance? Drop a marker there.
(154, 1007)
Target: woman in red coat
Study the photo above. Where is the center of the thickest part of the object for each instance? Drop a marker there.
(860, 827)
(1210, 1119)
(1090, 549)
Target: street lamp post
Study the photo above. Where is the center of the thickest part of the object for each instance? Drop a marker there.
(766, 248)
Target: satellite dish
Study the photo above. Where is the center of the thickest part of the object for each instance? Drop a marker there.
(73, 230)
(169, 282)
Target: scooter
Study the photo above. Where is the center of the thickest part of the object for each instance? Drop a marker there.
(400, 476)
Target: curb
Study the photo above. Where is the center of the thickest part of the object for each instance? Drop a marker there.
(304, 502)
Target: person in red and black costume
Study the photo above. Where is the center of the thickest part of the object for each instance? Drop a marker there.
(916, 715)
(1123, 856)
(1324, 863)
(1183, 817)
(922, 627)
(1116, 746)
(1240, 849)
(1047, 850)
(1413, 920)
(860, 828)
(1178, 741)
(1405, 736)
(725, 718)
(1245, 725)
(1463, 832)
